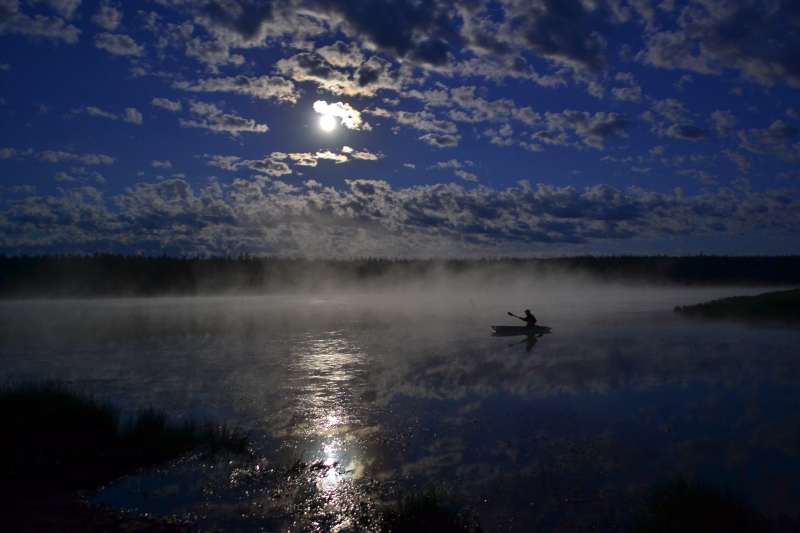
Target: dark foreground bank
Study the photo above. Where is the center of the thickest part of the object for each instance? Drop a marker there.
(58, 443)
(115, 275)
(782, 306)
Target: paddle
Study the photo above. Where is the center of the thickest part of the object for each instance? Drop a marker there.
(515, 316)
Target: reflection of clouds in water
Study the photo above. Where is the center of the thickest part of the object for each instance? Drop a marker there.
(334, 379)
(782, 435)
(608, 361)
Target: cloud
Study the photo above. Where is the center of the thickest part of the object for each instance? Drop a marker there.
(108, 17)
(418, 32)
(689, 132)
(759, 39)
(245, 22)
(227, 162)
(370, 217)
(453, 163)
(268, 165)
(594, 130)
(685, 80)
(482, 110)
(167, 104)
(743, 163)
(29, 189)
(97, 112)
(458, 168)
(364, 155)
(132, 116)
(8, 153)
(265, 87)
(350, 118)
(567, 32)
(218, 122)
(327, 154)
(773, 140)
(671, 109)
(700, 175)
(441, 141)
(371, 76)
(420, 120)
(341, 54)
(63, 176)
(56, 29)
(724, 121)
(791, 174)
(87, 159)
(117, 44)
(463, 174)
(549, 137)
(271, 165)
(632, 93)
(213, 53)
(303, 159)
(162, 164)
(65, 8)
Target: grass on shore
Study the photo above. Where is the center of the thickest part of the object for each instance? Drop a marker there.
(428, 512)
(57, 440)
(685, 507)
(779, 305)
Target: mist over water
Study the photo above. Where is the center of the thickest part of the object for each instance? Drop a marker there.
(404, 386)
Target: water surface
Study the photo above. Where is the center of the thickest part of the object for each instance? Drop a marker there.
(407, 389)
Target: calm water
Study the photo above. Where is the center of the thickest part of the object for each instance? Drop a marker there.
(407, 389)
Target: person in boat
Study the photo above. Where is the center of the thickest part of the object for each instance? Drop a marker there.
(530, 320)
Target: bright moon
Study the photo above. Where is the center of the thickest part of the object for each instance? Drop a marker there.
(327, 122)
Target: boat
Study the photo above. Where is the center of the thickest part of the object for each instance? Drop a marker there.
(511, 331)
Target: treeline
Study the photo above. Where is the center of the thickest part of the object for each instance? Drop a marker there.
(117, 275)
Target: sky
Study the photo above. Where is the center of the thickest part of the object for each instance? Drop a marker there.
(400, 128)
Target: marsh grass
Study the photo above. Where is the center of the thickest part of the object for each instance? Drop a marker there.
(688, 507)
(426, 512)
(57, 440)
(294, 461)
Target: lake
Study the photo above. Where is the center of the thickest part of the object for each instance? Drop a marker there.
(374, 395)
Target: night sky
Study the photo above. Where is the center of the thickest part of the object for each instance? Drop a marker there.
(404, 128)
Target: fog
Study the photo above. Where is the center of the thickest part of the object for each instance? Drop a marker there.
(406, 382)
(478, 299)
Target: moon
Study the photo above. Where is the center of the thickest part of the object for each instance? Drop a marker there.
(327, 122)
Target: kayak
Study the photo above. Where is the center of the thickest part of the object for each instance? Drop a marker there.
(510, 331)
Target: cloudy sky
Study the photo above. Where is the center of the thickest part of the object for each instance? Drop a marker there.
(341, 128)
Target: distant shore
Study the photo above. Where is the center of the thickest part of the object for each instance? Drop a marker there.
(106, 275)
(783, 306)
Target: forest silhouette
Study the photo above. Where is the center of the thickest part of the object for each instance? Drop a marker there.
(135, 275)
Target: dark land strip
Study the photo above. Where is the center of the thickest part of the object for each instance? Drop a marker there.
(103, 275)
(781, 306)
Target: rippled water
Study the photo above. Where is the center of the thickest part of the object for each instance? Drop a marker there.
(404, 390)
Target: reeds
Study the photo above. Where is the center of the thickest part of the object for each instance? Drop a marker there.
(58, 440)
(686, 507)
(426, 512)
